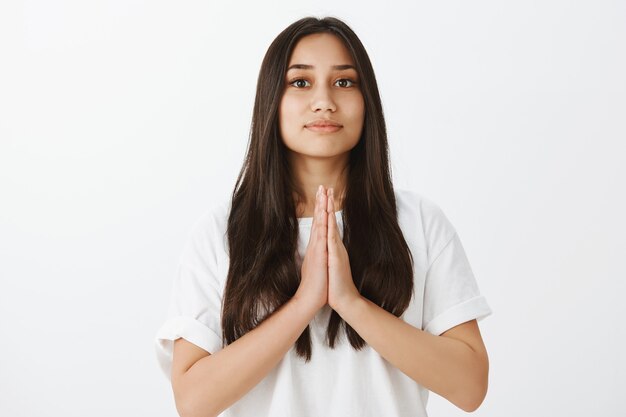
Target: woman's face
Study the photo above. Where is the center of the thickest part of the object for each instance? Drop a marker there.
(320, 91)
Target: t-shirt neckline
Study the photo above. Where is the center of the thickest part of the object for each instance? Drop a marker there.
(308, 221)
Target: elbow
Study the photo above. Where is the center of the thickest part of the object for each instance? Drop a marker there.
(470, 407)
(187, 404)
(476, 390)
(470, 404)
(474, 398)
(190, 409)
(474, 393)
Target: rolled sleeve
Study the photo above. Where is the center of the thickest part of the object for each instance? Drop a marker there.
(196, 297)
(451, 293)
(189, 329)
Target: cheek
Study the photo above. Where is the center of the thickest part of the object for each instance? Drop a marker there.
(358, 113)
(286, 114)
(359, 120)
(362, 114)
(287, 120)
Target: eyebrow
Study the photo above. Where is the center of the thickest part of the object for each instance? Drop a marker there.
(335, 67)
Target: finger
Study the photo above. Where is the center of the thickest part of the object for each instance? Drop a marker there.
(332, 196)
(316, 214)
(332, 222)
(323, 221)
(329, 193)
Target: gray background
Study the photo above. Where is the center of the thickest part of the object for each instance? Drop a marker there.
(120, 122)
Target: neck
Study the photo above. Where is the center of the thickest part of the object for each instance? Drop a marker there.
(309, 173)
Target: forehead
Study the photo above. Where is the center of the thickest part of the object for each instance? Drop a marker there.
(320, 49)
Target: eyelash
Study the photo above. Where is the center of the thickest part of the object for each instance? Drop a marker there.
(341, 79)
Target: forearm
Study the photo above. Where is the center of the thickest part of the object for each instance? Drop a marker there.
(443, 365)
(217, 381)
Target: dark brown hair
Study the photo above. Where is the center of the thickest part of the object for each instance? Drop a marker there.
(263, 226)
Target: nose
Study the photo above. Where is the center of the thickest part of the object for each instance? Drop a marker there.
(322, 99)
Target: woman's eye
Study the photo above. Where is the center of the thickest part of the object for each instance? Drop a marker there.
(348, 80)
(345, 83)
(299, 80)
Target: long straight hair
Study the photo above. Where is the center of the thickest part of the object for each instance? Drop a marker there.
(263, 225)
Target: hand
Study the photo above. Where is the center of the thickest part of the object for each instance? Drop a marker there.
(314, 274)
(341, 288)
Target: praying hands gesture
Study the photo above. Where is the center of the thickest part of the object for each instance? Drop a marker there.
(326, 275)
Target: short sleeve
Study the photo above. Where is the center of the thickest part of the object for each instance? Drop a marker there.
(195, 303)
(451, 293)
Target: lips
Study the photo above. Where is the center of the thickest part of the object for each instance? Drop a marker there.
(324, 129)
(323, 123)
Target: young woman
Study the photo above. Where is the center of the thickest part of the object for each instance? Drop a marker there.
(318, 289)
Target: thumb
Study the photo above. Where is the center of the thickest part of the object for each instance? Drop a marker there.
(332, 223)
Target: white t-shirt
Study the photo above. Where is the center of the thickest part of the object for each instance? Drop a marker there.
(338, 382)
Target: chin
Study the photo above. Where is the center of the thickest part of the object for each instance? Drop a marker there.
(325, 152)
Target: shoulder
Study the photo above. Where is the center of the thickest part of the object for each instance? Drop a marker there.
(207, 235)
(421, 216)
(215, 215)
(418, 206)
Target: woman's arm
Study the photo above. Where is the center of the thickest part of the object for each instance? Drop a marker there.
(454, 365)
(214, 382)
(205, 387)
